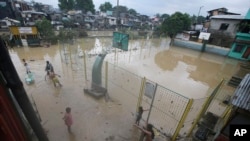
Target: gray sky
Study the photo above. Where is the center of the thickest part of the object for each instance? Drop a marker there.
(151, 7)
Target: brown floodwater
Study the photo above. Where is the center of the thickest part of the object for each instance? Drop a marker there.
(188, 72)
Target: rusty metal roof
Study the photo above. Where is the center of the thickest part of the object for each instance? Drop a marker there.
(241, 97)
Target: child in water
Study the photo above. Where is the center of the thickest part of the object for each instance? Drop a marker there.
(139, 115)
(148, 131)
(54, 78)
(26, 66)
(68, 118)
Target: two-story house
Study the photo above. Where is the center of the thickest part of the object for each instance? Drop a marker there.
(223, 29)
(214, 12)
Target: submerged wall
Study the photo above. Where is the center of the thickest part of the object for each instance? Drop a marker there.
(198, 46)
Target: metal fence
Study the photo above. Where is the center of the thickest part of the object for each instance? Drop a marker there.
(166, 107)
(172, 114)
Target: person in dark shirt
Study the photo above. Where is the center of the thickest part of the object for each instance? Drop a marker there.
(139, 115)
(49, 68)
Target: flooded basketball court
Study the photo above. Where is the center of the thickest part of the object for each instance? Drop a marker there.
(189, 73)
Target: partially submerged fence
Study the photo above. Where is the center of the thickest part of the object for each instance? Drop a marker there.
(173, 115)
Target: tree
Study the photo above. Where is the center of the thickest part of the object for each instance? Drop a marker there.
(157, 15)
(132, 11)
(45, 29)
(85, 5)
(37, 6)
(66, 35)
(164, 17)
(121, 9)
(195, 20)
(200, 19)
(105, 7)
(66, 4)
(176, 23)
(244, 26)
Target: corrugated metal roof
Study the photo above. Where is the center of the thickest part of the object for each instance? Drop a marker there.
(236, 17)
(241, 96)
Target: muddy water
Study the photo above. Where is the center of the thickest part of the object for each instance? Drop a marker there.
(188, 72)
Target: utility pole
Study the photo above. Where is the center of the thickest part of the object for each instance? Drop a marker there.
(198, 14)
(117, 14)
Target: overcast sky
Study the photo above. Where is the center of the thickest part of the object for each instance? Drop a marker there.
(151, 7)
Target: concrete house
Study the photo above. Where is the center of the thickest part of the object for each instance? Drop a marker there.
(223, 29)
(30, 17)
(77, 16)
(214, 12)
(127, 20)
(241, 46)
(220, 11)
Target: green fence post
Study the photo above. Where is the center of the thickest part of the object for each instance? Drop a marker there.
(183, 118)
(226, 115)
(205, 106)
(204, 42)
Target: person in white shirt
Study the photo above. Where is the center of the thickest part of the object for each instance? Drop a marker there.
(27, 68)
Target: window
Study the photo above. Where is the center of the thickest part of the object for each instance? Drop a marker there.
(224, 26)
(238, 48)
(3, 23)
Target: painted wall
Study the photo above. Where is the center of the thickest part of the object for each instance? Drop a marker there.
(248, 14)
(237, 55)
(197, 46)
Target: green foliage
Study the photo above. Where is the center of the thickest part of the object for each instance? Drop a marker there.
(195, 20)
(66, 4)
(45, 29)
(244, 26)
(66, 35)
(85, 5)
(37, 6)
(105, 7)
(157, 31)
(200, 19)
(157, 15)
(68, 23)
(132, 11)
(120, 9)
(176, 23)
(164, 17)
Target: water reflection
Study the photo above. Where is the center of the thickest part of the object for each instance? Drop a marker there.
(178, 69)
(188, 72)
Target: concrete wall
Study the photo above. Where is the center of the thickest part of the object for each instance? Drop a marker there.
(96, 33)
(197, 46)
(231, 30)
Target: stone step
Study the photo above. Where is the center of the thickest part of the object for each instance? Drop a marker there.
(234, 81)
